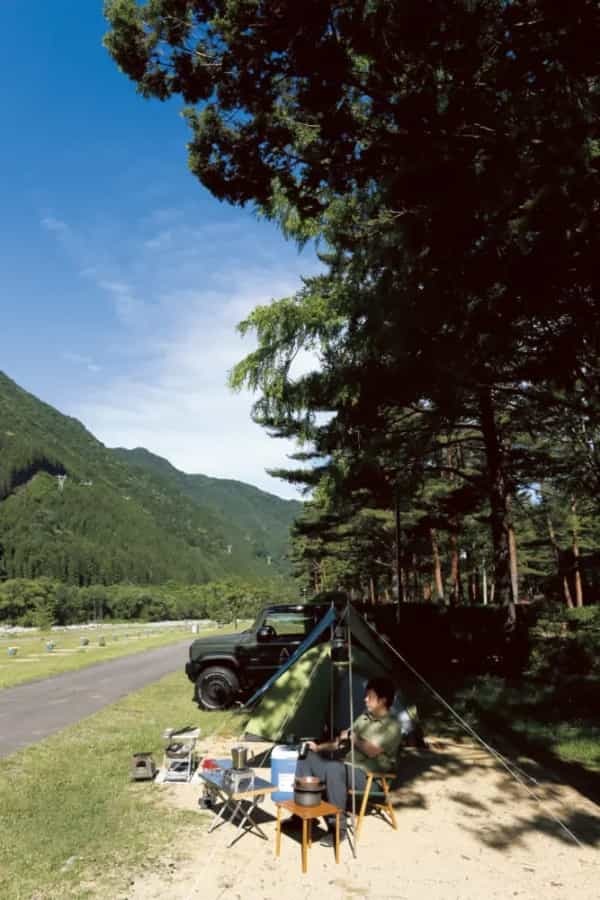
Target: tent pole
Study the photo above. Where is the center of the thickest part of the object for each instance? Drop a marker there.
(331, 679)
(352, 771)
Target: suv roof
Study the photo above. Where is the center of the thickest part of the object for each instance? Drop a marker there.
(296, 607)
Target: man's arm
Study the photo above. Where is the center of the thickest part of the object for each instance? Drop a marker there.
(367, 747)
(384, 741)
(325, 747)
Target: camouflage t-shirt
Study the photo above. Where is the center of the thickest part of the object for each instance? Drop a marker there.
(385, 733)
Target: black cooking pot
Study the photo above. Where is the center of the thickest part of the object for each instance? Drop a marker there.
(308, 790)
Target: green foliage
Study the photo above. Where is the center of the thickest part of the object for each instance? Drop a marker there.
(565, 643)
(446, 157)
(44, 602)
(43, 615)
(555, 722)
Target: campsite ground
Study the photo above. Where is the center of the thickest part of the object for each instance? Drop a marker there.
(467, 829)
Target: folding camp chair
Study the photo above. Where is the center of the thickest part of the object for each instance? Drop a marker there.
(376, 792)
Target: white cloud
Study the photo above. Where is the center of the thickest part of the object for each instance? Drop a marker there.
(183, 408)
(55, 225)
(129, 308)
(159, 241)
(79, 360)
(165, 388)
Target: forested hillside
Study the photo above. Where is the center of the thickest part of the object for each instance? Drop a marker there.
(263, 518)
(72, 509)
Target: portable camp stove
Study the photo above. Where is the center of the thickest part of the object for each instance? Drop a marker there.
(142, 767)
(238, 779)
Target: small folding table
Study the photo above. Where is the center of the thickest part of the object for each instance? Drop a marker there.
(237, 795)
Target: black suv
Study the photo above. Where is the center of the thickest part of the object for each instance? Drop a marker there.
(227, 666)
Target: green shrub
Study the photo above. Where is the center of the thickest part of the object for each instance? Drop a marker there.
(565, 642)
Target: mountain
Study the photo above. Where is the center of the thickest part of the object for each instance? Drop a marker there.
(76, 510)
(264, 519)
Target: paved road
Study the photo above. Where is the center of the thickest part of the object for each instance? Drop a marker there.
(30, 712)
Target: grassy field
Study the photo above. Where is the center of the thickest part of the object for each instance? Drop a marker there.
(72, 822)
(34, 661)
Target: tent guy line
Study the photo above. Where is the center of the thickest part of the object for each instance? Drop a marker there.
(512, 770)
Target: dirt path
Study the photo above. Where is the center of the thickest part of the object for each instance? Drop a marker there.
(30, 712)
(467, 831)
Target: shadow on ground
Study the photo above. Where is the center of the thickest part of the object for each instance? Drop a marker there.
(451, 757)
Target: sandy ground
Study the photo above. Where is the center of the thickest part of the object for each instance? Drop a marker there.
(467, 831)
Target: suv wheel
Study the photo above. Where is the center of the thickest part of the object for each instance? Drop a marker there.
(217, 687)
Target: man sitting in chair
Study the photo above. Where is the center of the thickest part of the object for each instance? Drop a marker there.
(376, 736)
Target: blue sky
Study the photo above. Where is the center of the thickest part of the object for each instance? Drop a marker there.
(122, 277)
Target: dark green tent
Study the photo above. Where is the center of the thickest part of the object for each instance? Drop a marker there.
(321, 689)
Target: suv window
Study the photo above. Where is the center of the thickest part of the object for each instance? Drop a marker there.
(290, 624)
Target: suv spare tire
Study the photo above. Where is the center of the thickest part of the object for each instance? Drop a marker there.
(217, 687)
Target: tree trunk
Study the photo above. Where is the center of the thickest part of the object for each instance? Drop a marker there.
(372, 590)
(454, 570)
(473, 586)
(514, 567)
(559, 566)
(576, 565)
(437, 567)
(320, 577)
(415, 578)
(400, 592)
(454, 530)
(498, 494)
